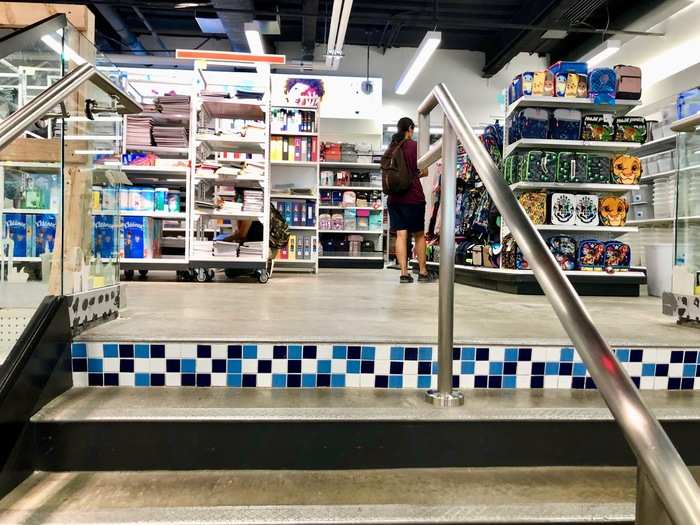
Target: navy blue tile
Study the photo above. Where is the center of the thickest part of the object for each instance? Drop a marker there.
(565, 369)
(590, 384)
(537, 382)
(80, 365)
(158, 351)
(411, 354)
(126, 351)
(172, 365)
(294, 366)
(674, 383)
(205, 380)
(495, 381)
(661, 370)
(690, 357)
(367, 367)
(396, 367)
(264, 366)
(111, 379)
(510, 369)
(687, 383)
(636, 356)
(294, 380)
(235, 352)
(578, 383)
(157, 379)
(697, 372)
(323, 380)
(95, 380)
(677, 356)
(481, 381)
(309, 352)
(354, 352)
(249, 380)
(424, 367)
(525, 354)
(456, 353)
(482, 354)
(537, 369)
(279, 352)
(188, 380)
(381, 382)
(455, 381)
(637, 381)
(203, 351)
(218, 365)
(126, 365)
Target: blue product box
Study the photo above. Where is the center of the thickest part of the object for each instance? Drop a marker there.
(44, 233)
(104, 242)
(580, 68)
(18, 229)
(134, 233)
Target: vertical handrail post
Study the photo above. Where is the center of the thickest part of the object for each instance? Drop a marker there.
(650, 509)
(445, 395)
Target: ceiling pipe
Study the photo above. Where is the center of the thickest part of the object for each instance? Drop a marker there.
(118, 24)
(234, 14)
(150, 28)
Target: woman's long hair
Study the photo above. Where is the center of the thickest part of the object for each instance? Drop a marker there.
(402, 126)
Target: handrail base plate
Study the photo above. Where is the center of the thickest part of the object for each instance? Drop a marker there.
(451, 399)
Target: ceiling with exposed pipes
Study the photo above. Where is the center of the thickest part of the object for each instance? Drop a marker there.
(499, 28)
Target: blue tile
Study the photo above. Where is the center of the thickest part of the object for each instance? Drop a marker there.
(551, 368)
(395, 382)
(661, 370)
(339, 351)
(279, 352)
(689, 370)
(308, 380)
(495, 368)
(566, 355)
(110, 350)
(579, 369)
(80, 365)
(396, 353)
(323, 366)
(204, 351)
(482, 354)
(142, 351)
(623, 355)
(508, 382)
(423, 381)
(279, 380)
(250, 352)
(468, 353)
(524, 354)
(511, 354)
(142, 379)
(338, 380)
(353, 367)
(648, 369)
(79, 350)
(425, 353)
(294, 352)
(368, 353)
(188, 366)
(234, 366)
(94, 365)
(323, 380)
(157, 379)
(233, 380)
(158, 351)
(467, 367)
(309, 351)
(436, 367)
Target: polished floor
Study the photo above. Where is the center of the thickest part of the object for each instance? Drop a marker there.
(366, 306)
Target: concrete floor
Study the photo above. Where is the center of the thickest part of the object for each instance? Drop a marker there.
(366, 306)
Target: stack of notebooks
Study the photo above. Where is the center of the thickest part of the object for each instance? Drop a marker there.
(138, 131)
(173, 104)
(253, 201)
(251, 249)
(170, 136)
(249, 94)
(224, 248)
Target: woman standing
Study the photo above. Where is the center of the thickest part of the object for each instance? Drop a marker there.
(407, 210)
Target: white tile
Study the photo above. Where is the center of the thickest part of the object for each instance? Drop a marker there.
(577, 358)
(308, 366)
(522, 382)
(94, 349)
(279, 366)
(157, 366)
(553, 353)
(497, 353)
(127, 379)
(551, 381)
(81, 379)
(249, 366)
(188, 351)
(661, 383)
(338, 366)
(110, 364)
(173, 351)
(264, 380)
(646, 383)
(352, 380)
(481, 368)
(265, 351)
(539, 353)
(172, 379)
(653, 355)
(142, 365)
(408, 381)
(203, 365)
(219, 351)
(324, 351)
(465, 382)
(675, 370)
(367, 380)
(381, 368)
(633, 369)
(433, 382)
(218, 380)
(381, 352)
(564, 382)
(410, 367)
(524, 368)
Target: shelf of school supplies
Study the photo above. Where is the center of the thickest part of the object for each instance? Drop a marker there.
(161, 150)
(654, 147)
(293, 163)
(35, 211)
(232, 143)
(669, 173)
(292, 227)
(621, 107)
(570, 145)
(287, 106)
(573, 228)
(231, 178)
(156, 171)
(295, 261)
(282, 196)
(360, 188)
(294, 134)
(361, 232)
(230, 108)
(165, 118)
(358, 165)
(370, 208)
(217, 214)
(577, 186)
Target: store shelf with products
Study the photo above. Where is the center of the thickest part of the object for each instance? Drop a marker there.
(573, 186)
(350, 187)
(359, 232)
(231, 143)
(351, 165)
(621, 107)
(574, 145)
(656, 146)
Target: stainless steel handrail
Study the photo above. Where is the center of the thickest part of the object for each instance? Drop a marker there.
(659, 461)
(14, 125)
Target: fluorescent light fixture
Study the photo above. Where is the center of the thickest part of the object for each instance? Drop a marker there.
(94, 152)
(210, 25)
(602, 52)
(66, 52)
(252, 35)
(427, 47)
(555, 34)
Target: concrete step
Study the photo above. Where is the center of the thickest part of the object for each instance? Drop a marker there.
(401, 496)
(220, 428)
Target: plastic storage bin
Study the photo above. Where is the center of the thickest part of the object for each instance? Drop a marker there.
(641, 212)
(641, 196)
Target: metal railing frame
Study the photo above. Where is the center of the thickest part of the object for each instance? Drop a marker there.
(666, 491)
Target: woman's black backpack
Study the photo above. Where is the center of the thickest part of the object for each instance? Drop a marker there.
(396, 177)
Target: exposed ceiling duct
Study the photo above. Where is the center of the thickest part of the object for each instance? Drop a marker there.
(120, 27)
(233, 21)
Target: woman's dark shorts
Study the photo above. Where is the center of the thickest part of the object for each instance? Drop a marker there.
(409, 217)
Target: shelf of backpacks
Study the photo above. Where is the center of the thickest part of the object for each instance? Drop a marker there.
(621, 107)
(575, 145)
(577, 186)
